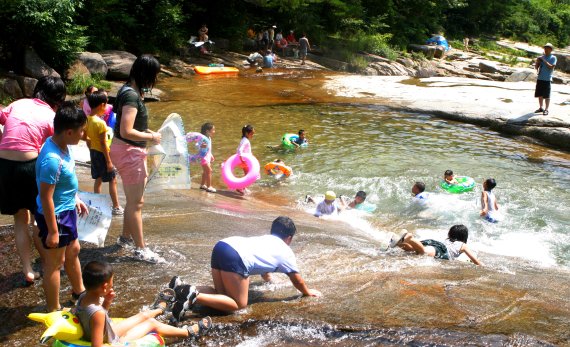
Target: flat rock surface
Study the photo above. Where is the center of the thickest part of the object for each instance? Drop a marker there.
(504, 106)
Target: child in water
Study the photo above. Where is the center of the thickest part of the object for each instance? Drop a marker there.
(102, 169)
(208, 129)
(98, 328)
(418, 190)
(449, 177)
(489, 201)
(450, 249)
(359, 198)
(301, 140)
(244, 147)
(328, 206)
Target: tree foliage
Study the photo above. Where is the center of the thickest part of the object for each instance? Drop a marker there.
(59, 28)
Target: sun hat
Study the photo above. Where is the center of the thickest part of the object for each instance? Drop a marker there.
(330, 195)
(549, 45)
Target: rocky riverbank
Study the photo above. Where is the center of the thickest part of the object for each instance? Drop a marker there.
(503, 106)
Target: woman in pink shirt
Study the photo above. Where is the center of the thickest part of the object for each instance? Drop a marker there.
(27, 124)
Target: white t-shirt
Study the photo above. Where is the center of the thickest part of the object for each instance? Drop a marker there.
(262, 254)
(325, 209)
(244, 146)
(453, 248)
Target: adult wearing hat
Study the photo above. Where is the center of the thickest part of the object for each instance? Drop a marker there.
(545, 65)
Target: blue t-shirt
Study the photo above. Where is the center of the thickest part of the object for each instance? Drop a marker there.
(544, 73)
(439, 41)
(55, 167)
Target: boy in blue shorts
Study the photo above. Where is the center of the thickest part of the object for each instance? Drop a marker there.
(234, 260)
(102, 169)
(58, 205)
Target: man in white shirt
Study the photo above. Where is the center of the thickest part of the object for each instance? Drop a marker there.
(236, 258)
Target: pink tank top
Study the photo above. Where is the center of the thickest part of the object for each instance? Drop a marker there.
(27, 124)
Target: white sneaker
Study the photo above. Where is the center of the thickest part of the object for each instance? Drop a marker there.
(118, 211)
(145, 254)
(125, 242)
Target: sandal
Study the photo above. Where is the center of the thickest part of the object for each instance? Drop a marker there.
(545, 112)
(203, 186)
(539, 110)
(185, 298)
(211, 190)
(166, 296)
(203, 327)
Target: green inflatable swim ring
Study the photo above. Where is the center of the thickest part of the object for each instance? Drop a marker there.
(288, 139)
(465, 184)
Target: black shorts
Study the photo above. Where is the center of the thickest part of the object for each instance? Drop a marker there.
(225, 258)
(99, 167)
(440, 248)
(542, 89)
(18, 187)
(66, 227)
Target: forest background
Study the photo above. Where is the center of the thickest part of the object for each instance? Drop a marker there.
(58, 29)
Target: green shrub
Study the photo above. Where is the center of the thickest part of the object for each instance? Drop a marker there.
(80, 83)
(358, 63)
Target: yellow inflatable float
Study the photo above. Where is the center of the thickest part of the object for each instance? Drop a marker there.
(65, 329)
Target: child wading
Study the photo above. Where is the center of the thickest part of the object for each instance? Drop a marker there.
(489, 204)
(58, 204)
(102, 169)
(244, 147)
(208, 129)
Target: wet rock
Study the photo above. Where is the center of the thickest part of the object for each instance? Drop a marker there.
(426, 72)
(488, 67)
(27, 85)
(94, 62)
(522, 75)
(119, 64)
(35, 67)
(11, 88)
(76, 69)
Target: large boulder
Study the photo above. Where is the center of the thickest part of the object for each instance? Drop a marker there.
(11, 88)
(488, 67)
(522, 75)
(27, 85)
(94, 62)
(119, 64)
(76, 69)
(388, 69)
(563, 62)
(35, 67)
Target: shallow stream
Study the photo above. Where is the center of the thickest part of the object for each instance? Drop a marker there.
(371, 297)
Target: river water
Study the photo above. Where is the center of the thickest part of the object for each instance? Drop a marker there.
(371, 297)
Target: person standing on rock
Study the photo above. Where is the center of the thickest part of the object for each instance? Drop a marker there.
(128, 151)
(304, 46)
(27, 125)
(545, 65)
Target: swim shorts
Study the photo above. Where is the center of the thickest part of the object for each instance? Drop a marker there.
(542, 89)
(440, 248)
(18, 187)
(99, 167)
(225, 258)
(66, 227)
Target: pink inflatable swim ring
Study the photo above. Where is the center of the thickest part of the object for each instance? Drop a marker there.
(234, 161)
